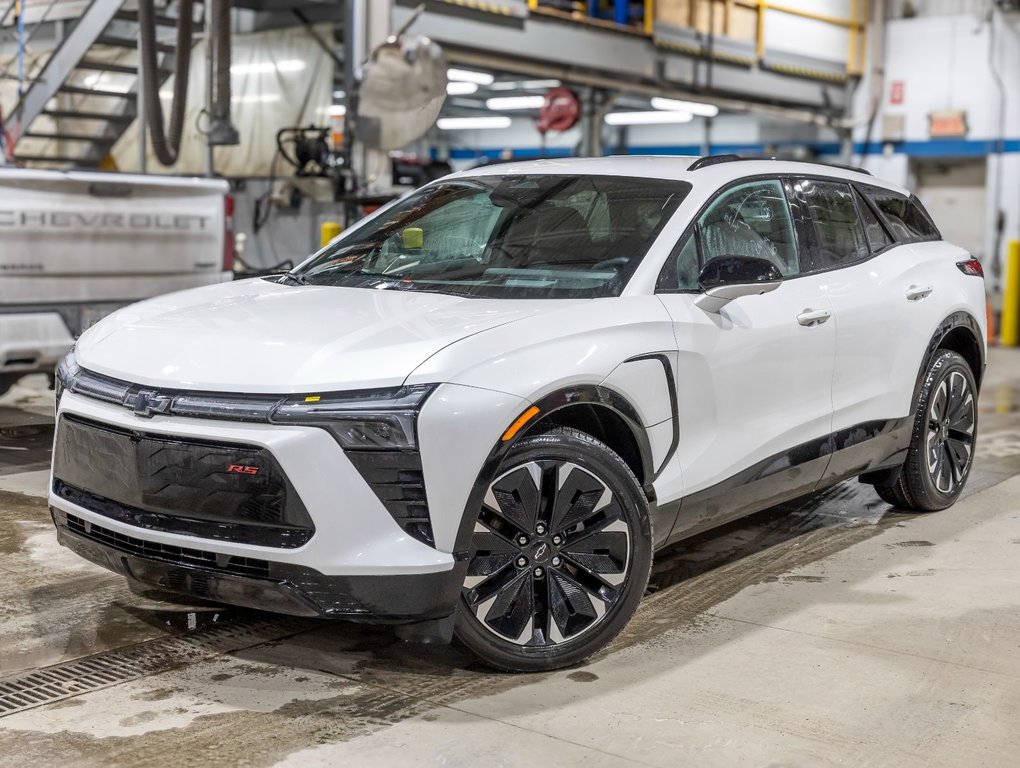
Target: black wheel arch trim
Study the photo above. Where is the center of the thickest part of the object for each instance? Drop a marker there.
(610, 399)
(961, 319)
(581, 394)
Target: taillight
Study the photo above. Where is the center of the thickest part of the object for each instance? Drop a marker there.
(228, 233)
(971, 267)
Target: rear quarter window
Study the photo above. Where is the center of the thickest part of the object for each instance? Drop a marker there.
(905, 216)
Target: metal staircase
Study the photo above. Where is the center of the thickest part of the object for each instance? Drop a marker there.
(86, 95)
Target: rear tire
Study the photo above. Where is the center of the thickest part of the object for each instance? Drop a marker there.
(942, 444)
(560, 555)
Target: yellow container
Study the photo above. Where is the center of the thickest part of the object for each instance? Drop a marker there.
(329, 230)
(1009, 331)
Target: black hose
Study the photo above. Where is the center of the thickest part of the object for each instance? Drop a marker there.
(221, 43)
(165, 145)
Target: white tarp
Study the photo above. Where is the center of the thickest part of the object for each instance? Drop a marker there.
(279, 78)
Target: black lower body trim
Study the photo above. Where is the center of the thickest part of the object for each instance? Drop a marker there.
(809, 467)
(262, 585)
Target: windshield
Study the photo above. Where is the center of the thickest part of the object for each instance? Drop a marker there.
(528, 236)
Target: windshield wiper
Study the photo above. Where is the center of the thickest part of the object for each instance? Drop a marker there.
(295, 278)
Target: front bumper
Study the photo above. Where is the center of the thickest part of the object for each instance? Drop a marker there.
(262, 585)
(358, 562)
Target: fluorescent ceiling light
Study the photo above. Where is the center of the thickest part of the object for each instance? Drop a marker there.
(339, 95)
(268, 67)
(694, 107)
(460, 88)
(501, 103)
(256, 98)
(473, 123)
(648, 118)
(336, 110)
(525, 85)
(469, 76)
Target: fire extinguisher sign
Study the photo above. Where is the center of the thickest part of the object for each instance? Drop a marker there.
(896, 92)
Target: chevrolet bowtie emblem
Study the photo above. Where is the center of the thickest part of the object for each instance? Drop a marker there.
(148, 403)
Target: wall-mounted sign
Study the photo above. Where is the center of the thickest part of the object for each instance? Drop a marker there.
(947, 124)
(896, 92)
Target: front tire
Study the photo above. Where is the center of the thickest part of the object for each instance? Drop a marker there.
(942, 444)
(560, 555)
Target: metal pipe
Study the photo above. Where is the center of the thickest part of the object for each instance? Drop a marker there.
(210, 158)
(20, 16)
(1000, 152)
(143, 138)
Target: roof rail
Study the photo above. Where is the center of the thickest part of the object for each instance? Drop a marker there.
(707, 160)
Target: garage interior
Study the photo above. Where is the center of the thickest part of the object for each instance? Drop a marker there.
(829, 630)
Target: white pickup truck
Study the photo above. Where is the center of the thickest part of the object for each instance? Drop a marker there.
(74, 246)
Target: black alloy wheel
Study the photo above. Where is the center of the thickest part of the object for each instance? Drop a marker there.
(560, 554)
(942, 445)
(949, 445)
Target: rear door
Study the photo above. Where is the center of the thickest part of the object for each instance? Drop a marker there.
(755, 379)
(883, 283)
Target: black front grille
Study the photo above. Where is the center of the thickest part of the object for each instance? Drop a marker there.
(200, 488)
(398, 481)
(238, 566)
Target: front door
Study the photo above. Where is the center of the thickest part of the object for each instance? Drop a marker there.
(754, 379)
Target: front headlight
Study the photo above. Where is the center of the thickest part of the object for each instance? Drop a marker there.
(377, 419)
(67, 370)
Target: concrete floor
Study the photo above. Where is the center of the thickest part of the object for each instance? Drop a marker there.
(830, 631)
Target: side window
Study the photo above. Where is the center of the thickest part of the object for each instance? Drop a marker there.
(682, 269)
(878, 238)
(752, 219)
(839, 233)
(906, 217)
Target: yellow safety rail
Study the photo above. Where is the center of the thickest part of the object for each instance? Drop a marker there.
(855, 24)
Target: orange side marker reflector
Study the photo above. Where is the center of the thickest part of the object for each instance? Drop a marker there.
(523, 419)
(313, 399)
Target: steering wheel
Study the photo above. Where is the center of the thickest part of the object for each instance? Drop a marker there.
(463, 244)
(614, 263)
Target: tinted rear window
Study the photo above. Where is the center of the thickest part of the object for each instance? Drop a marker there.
(878, 238)
(839, 235)
(907, 220)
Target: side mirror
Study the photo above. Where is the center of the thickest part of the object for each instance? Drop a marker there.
(726, 278)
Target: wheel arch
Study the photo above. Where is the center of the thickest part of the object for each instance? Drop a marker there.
(607, 416)
(960, 333)
(591, 405)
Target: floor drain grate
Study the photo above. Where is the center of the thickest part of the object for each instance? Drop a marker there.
(33, 688)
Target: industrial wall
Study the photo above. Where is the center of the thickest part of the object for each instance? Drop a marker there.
(939, 63)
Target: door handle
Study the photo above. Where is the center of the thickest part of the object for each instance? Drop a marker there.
(812, 317)
(918, 292)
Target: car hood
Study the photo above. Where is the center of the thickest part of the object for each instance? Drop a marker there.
(260, 336)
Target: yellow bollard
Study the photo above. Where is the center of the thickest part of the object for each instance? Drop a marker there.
(329, 230)
(1009, 331)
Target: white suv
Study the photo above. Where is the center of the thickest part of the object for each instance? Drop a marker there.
(480, 411)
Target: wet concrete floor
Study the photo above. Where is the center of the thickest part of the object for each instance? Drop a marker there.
(829, 631)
